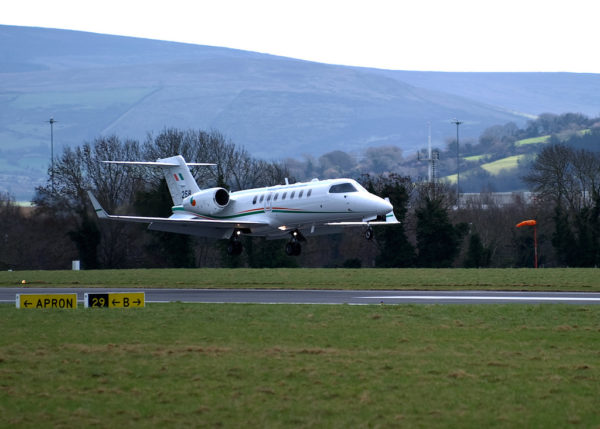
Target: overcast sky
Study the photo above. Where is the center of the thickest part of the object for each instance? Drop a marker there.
(446, 35)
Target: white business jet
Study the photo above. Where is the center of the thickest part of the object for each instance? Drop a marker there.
(276, 212)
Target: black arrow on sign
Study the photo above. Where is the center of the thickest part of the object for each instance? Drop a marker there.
(138, 302)
(26, 304)
(115, 302)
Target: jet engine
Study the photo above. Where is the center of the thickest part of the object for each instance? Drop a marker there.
(209, 201)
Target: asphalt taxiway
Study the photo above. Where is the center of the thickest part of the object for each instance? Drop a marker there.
(355, 297)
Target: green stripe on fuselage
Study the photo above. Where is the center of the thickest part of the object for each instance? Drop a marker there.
(261, 211)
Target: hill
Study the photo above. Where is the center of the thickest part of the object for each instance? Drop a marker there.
(275, 107)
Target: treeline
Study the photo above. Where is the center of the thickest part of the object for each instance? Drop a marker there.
(63, 227)
(434, 232)
(570, 129)
(567, 183)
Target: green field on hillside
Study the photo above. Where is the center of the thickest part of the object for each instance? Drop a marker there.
(475, 158)
(250, 365)
(533, 140)
(567, 279)
(508, 163)
(494, 167)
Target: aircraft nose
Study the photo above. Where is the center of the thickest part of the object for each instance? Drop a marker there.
(384, 206)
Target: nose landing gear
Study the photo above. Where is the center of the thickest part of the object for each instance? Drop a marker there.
(369, 233)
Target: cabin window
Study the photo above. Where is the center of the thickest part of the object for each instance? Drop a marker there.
(269, 197)
(300, 193)
(342, 188)
(292, 194)
(262, 197)
(254, 200)
(275, 197)
(308, 193)
(283, 196)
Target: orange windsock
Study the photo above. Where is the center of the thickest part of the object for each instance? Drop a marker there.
(530, 222)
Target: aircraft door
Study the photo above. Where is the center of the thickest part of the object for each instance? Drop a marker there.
(269, 203)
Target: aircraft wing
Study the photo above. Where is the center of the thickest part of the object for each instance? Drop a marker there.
(181, 220)
(360, 223)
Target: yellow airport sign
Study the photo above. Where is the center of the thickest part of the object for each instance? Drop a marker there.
(37, 300)
(115, 300)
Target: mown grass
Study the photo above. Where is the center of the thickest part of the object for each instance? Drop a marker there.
(568, 279)
(231, 365)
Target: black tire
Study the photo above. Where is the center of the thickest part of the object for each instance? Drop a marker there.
(297, 248)
(369, 233)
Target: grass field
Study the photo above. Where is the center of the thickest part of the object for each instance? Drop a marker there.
(201, 365)
(476, 158)
(533, 140)
(507, 163)
(569, 279)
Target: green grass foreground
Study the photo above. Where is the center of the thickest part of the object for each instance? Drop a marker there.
(201, 365)
(568, 279)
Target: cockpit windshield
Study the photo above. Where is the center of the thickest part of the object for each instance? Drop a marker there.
(342, 188)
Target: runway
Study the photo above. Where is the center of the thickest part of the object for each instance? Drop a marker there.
(354, 297)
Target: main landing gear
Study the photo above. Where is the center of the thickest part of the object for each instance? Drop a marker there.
(369, 233)
(293, 247)
(235, 247)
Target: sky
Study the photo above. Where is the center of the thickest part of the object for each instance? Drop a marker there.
(439, 35)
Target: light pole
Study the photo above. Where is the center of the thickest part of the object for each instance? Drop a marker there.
(457, 122)
(51, 122)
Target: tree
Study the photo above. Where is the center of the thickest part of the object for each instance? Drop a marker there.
(81, 169)
(438, 241)
(395, 249)
(165, 249)
(478, 256)
(565, 175)
(570, 179)
(563, 239)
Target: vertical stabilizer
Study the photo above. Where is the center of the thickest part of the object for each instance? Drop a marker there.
(179, 179)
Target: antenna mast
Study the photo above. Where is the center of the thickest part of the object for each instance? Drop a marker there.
(432, 157)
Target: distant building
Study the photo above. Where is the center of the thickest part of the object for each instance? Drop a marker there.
(498, 199)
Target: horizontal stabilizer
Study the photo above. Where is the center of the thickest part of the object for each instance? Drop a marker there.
(156, 163)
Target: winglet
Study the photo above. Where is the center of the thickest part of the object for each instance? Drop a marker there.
(390, 217)
(100, 212)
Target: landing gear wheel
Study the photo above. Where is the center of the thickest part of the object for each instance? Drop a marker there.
(235, 248)
(369, 233)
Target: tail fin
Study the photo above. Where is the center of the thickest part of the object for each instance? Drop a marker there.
(179, 179)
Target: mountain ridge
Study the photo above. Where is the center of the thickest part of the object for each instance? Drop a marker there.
(275, 107)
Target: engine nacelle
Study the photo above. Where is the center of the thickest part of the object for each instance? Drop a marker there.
(209, 201)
